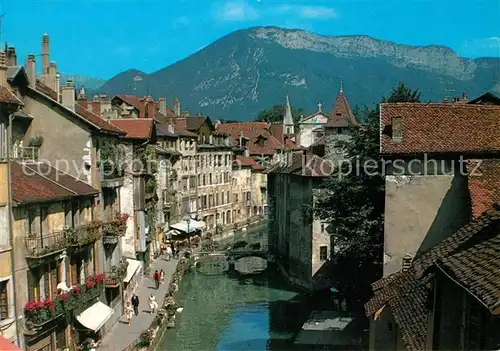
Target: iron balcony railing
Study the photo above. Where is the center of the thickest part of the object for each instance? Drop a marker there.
(26, 154)
(39, 246)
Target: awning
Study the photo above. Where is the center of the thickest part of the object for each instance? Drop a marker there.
(95, 316)
(173, 232)
(6, 345)
(193, 226)
(132, 267)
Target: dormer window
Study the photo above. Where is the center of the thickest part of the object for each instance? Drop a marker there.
(260, 141)
(339, 130)
(397, 128)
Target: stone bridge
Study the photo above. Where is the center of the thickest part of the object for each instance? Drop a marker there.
(223, 261)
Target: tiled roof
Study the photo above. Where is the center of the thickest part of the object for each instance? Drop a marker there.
(488, 98)
(341, 114)
(40, 182)
(484, 184)
(80, 111)
(440, 128)
(195, 122)
(162, 130)
(96, 120)
(252, 131)
(242, 161)
(471, 255)
(305, 164)
(140, 128)
(7, 96)
(180, 128)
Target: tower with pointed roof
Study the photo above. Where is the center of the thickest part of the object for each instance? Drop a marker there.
(338, 126)
(288, 127)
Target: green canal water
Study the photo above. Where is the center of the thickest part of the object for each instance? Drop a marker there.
(259, 312)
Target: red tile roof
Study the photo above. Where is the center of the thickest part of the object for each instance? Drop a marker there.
(140, 128)
(440, 128)
(242, 161)
(484, 184)
(40, 182)
(96, 120)
(180, 128)
(7, 96)
(341, 114)
(252, 131)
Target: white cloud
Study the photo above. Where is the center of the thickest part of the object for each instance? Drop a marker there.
(238, 10)
(311, 12)
(471, 47)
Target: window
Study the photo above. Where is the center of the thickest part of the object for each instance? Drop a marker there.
(67, 215)
(323, 253)
(4, 300)
(322, 228)
(397, 128)
(339, 130)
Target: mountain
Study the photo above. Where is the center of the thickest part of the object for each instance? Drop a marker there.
(249, 70)
(91, 83)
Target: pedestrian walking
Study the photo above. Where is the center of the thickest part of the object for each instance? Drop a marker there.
(135, 304)
(153, 305)
(169, 252)
(129, 313)
(156, 278)
(162, 276)
(173, 249)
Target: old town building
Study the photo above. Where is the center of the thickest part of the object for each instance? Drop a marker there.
(297, 238)
(440, 228)
(312, 127)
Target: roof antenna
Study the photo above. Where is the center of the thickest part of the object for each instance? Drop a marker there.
(2, 14)
(341, 86)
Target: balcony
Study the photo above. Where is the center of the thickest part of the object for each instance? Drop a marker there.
(26, 154)
(48, 244)
(84, 235)
(40, 246)
(116, 275)
(113, 230)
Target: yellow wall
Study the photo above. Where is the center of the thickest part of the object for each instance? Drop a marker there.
(5, 264)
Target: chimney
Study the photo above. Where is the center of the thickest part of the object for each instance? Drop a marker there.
(142, 107)
(50, 79)
(3, 69)
(58, 87)
(217, 123)
(68, 95)
(31, 70)
(11, 57)
(150, 107)
(162, 105)
(464, 97)
(83, 101)
(105, 103)
(96, 105)
(177, 106)
(406, 265)
(45, 53)
(445, 101)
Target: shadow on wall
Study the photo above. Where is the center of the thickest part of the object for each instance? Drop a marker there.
(455, 211)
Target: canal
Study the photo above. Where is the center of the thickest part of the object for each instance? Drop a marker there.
(240, 312)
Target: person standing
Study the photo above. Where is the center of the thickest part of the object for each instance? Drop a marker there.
(128, 313)
(156, 278)
(152, 303)
(169, 252)
(162, 276)
(135, 304)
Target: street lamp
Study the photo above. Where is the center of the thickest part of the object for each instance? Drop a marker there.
(187, 218)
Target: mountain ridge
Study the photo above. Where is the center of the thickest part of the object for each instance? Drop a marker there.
(251, 69)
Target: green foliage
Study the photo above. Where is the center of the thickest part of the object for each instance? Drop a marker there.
(353, 202)
(276, 113)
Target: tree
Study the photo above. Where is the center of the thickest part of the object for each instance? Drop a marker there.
(353, 201)
(275, 114)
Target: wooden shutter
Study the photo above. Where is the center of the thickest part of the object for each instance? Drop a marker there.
(4, 300)
(46, 282)
(74, 275)
(54, 279)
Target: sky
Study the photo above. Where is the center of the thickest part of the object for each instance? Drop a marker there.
(101, 38)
